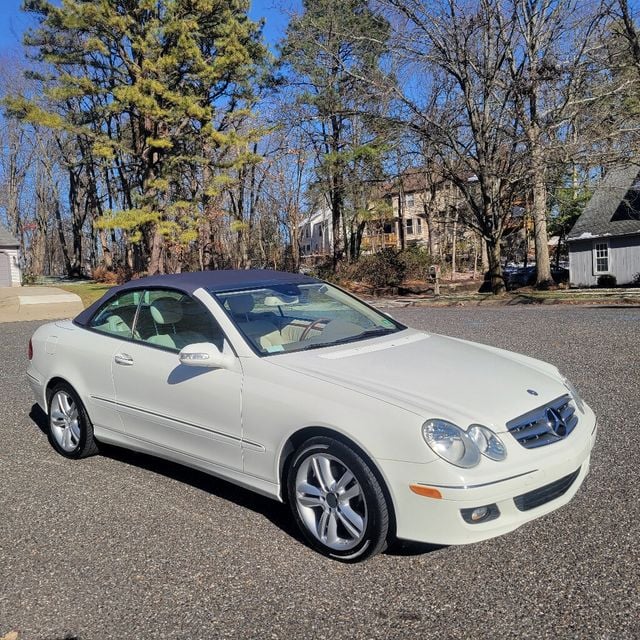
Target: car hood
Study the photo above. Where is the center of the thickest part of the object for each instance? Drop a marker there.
(435, 376)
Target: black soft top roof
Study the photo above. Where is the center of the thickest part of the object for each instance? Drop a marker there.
(213, 281)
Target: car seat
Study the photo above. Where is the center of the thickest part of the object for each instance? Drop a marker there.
(167, 315)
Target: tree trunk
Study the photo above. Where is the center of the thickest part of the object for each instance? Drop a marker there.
(475, 256)
(543, 266)
(402, 239)
(107, 259)
(430, 229)
(453, 246)
(336, 222)
(495, 267)
(156, 262)
(63, 242)
(243, 249)
(484, 253)
(293, 223)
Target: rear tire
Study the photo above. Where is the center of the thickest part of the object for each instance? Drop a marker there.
(337, 501)
(70, 429)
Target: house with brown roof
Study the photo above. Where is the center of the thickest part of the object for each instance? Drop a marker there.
(424, 207)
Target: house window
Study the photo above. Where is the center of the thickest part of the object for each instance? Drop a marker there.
(409, 200)
(419, 226)
(601, 257)
(409, 226)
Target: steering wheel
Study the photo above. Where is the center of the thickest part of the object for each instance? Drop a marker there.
(311, 326)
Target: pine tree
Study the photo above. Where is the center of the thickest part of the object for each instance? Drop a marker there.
(334, 50)
(159, 94)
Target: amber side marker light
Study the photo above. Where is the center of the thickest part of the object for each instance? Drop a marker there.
(427, 492)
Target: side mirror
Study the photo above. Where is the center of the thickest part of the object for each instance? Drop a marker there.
(205, 354)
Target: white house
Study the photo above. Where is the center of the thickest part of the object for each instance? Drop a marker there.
(316, 234)
(9, 259)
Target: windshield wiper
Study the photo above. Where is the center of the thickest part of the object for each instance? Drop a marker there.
(369, 333)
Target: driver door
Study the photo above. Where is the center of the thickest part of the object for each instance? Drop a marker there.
(189, 410)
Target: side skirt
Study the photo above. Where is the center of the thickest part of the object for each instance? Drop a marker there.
(119, 439)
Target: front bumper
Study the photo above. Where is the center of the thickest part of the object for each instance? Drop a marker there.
(440, 521)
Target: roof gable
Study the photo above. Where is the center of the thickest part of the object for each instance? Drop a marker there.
(7, 239)
(614, 208)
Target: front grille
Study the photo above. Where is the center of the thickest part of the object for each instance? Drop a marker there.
(545, 425)
(545, 494)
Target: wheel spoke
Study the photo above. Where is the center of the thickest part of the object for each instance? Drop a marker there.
(352, 522)
(322, 470)
(344, 481)
(73, 413)
(57, 417)
(332, 530)
(309, 495)
(60, 405)
(66, 438)
(65, 404)
(323, 523)
(74, 428)
(350, 493)
(328, 528)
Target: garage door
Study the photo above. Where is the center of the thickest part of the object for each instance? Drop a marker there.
(5, 270)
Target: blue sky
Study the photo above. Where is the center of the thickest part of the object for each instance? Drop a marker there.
(13, 22)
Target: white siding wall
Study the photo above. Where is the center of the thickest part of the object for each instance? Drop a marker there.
(316, 236)
(14, 269)
(624, 260)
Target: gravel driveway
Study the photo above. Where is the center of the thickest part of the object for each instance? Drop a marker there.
(125, 546)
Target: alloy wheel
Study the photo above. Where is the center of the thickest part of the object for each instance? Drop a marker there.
(65, 424)
(330, 502)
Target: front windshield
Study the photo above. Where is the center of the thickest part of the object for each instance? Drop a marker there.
(295, 317)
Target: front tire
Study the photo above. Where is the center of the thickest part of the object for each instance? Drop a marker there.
(337, 501)
(70, 429)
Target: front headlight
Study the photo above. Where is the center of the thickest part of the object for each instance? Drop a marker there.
(487, 442)
(574, 394)
(451, 443)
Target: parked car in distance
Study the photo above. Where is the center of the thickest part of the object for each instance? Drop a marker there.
(293, 388)
(518, 276)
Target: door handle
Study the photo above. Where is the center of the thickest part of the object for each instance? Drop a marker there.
(123, 358)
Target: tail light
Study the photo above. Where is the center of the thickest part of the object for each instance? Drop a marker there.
(30, 350)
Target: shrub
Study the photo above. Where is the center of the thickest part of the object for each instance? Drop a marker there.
(104, 275)
(636, 280)
(607, 280)
(323, 269)
(416, 261)
(382, 269)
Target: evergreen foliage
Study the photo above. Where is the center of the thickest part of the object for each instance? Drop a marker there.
(159, 92)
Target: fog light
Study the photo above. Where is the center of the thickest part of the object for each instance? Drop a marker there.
(480, 514)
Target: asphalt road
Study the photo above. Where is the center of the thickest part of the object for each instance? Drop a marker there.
(124, 546)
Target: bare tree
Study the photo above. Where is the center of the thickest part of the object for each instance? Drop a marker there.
(549, 53)
(457, 96)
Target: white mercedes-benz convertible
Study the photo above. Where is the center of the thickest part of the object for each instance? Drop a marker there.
(293, 388)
